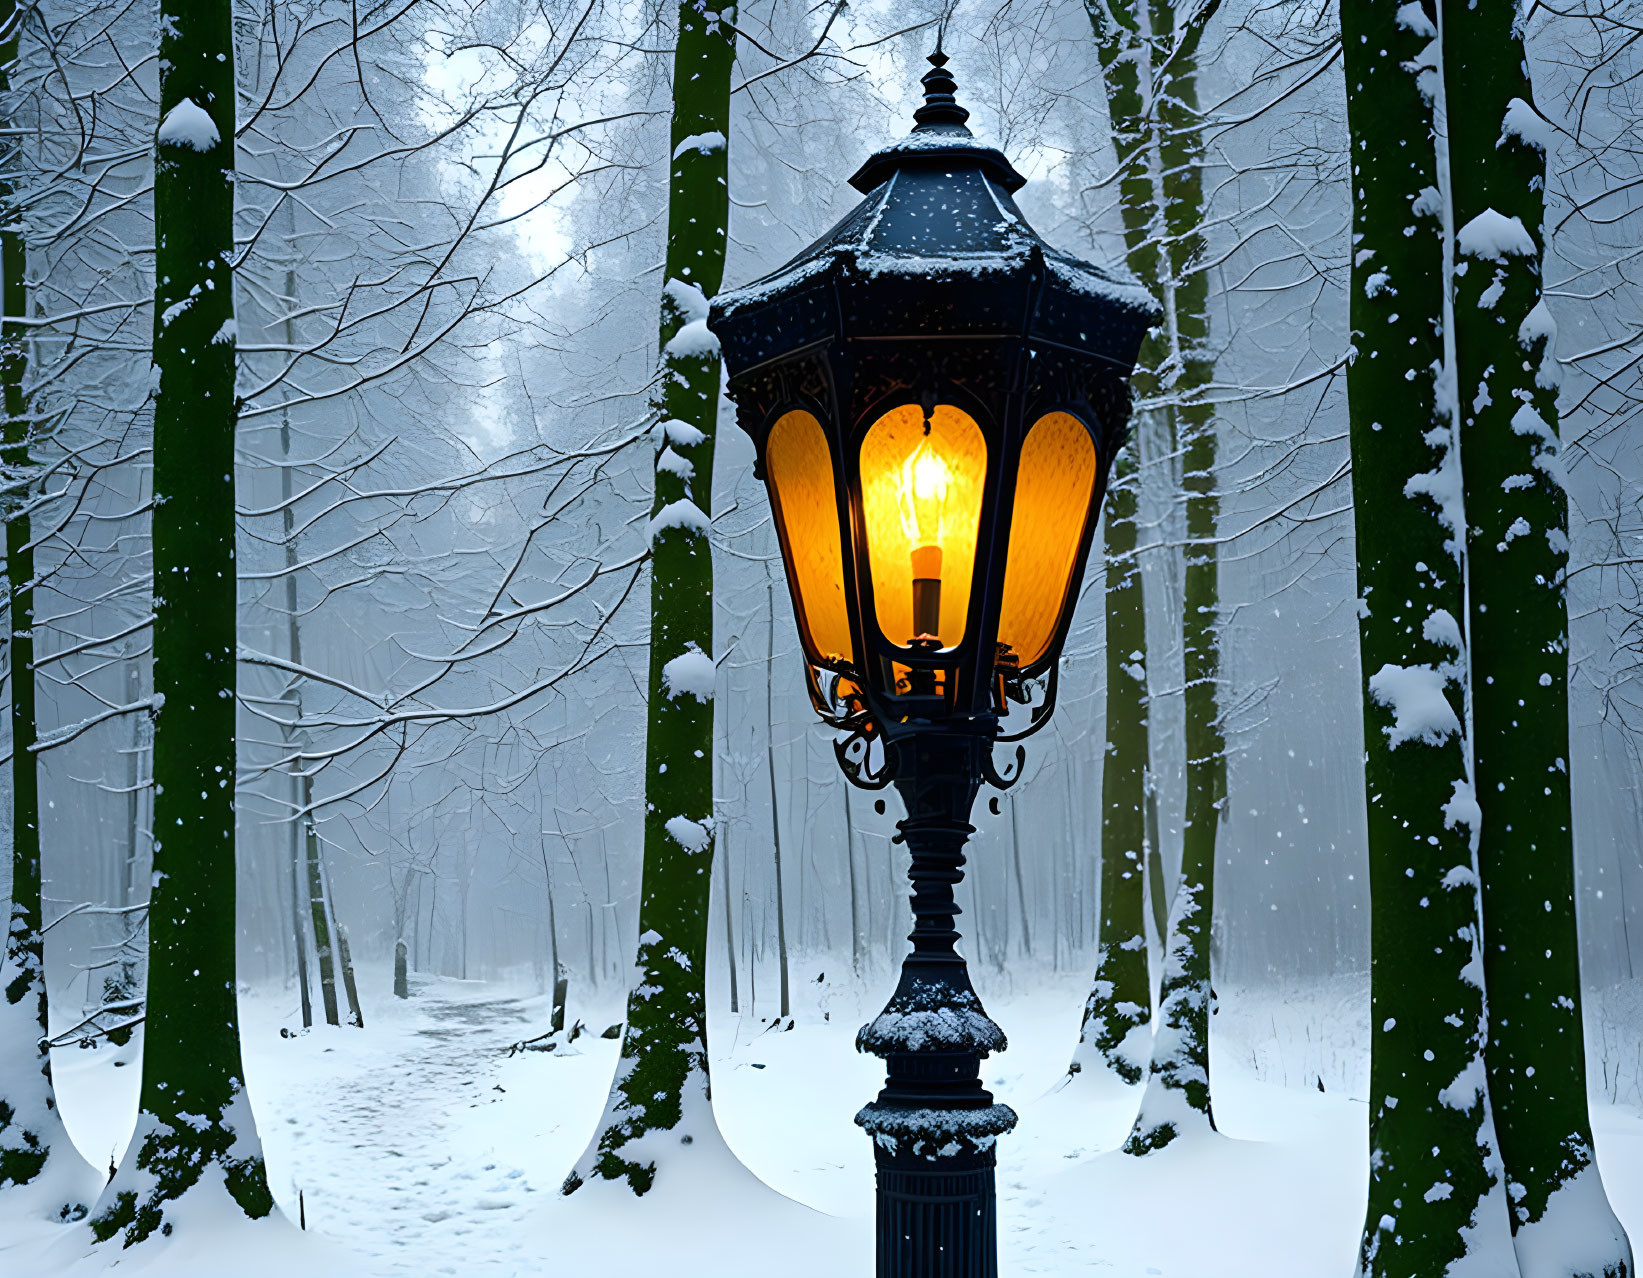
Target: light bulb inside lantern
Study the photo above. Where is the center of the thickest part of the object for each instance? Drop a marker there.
(922, 496)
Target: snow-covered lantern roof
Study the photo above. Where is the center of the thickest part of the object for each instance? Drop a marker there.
(935, 395)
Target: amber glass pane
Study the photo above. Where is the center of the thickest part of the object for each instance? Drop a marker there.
(1052, 505)
(922, 493)
(799, 468)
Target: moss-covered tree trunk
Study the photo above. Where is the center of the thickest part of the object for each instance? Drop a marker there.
(1180, 1067)
(1117, 1030)
(1432, 1193)
(194, 1125)
(1118, 1012)
(1518, 548)
(1149, 54)
(659, 1098)
(31, 1129)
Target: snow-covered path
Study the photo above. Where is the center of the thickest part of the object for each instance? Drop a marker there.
(408, 1118)
(419, 1144)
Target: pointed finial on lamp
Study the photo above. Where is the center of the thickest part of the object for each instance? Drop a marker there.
(940, 106)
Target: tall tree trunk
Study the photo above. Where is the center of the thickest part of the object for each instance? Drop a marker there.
(661, 1082)
(416, 927)
(1116, 1032)
(730, 930)
(1120, 999)
(194, 1117)
(299, 783)
(299, 936)
(561, 983)
(1517, 518)
(1156, 892)
(1430, 1163)
(318, 914)
(356, 1017)
(127, 882)
(402, 973)
(433, 907)
(775, 810)
(1151, 65)
(31, 1129)
(467, 887)
(302, 783)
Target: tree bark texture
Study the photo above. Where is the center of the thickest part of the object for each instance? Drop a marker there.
(1186, 996)
(1517, 517)
(661, 1080)
(318, 914)
(1116, 1032)
(31, 1129)
(1150, 62)
(301, 786)
(193, 1114)
(785, 1008)
(1432, 1190)
(1119, 998)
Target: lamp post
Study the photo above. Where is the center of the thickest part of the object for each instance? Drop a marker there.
(935, 395)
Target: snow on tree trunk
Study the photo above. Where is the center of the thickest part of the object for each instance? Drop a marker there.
(32, 1138)
(1433, 1189)
(1187, 997)
(658, 1100)
(1518, 549)
(1177, 1100)
(1118, 1012)
(35, 1150)
(194, 1124)
(1150, 60)
(1117, 1028)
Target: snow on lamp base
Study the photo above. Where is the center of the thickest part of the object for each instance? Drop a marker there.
(934, 1126)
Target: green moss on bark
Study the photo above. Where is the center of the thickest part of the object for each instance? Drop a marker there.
(663, 1072)
(1430, 1175)
(1150, 65)
(1518, 550)
(1120, 1000)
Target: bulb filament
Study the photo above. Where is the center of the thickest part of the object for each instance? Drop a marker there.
(922, 496)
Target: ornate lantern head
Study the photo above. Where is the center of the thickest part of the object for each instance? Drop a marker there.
(935, 395)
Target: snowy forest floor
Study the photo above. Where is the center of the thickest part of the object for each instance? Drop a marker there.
(420, 1147)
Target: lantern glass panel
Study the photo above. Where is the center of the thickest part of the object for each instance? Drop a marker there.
(921, 492)
(1053, 487)
(799, 467)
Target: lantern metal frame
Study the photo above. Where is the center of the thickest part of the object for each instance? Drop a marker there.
(934, 290)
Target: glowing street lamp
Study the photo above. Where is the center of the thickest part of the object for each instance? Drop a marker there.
(935, 395)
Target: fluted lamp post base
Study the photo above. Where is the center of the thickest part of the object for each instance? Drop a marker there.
(934, 1126)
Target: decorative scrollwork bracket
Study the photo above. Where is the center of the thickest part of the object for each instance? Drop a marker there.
(1004, 780)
